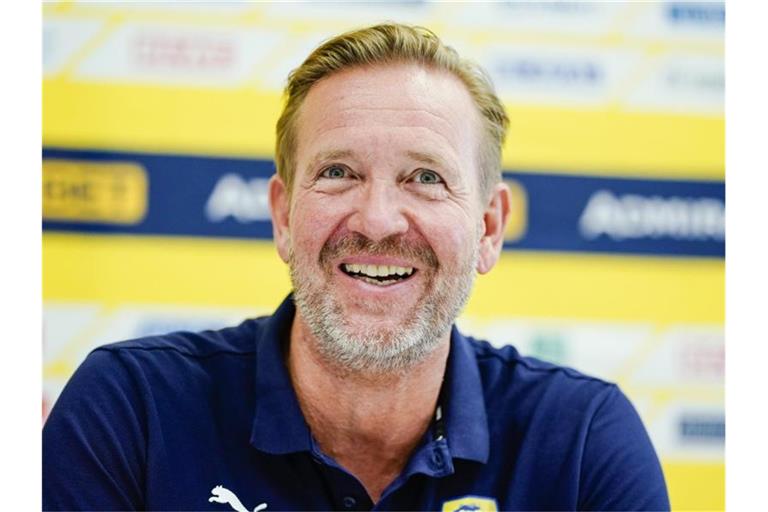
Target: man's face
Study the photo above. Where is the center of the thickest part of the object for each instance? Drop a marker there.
(383, 231)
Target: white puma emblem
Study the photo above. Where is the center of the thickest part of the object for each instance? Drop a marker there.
(223, 495)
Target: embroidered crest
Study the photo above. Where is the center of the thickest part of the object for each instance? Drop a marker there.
(471, 503)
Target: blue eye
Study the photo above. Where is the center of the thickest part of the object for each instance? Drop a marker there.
(428, 177)
(334, 172)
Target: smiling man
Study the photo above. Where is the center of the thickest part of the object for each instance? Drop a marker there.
(358, 393)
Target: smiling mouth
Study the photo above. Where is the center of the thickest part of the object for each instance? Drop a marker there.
(380, 275)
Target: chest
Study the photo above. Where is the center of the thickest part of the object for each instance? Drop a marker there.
(213, 476)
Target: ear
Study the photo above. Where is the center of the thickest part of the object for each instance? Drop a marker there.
(280, 207)
(495, 217)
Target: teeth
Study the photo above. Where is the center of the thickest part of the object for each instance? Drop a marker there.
(378, 270)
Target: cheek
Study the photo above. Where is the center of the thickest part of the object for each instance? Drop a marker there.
(451, 234)
(451, 246)
(306, 237)
(444, 249)
(311, 226)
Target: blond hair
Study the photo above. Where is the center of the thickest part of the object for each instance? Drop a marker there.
(383, 44)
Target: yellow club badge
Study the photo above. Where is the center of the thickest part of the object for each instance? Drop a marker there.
(471, 503)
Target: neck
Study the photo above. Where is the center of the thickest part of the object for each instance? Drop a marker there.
(370, 424)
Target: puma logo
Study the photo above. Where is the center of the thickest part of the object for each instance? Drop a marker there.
(223, 495)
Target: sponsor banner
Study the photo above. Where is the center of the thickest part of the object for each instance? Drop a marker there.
(554, 74)
(187, 56)
(624, 215)
(208, 8)
(592, 19)
(702, 428)
(694, 353)
(594, 77)
(681, 82)
(701, 13)
(681, 21)
(114, 192)
(683, 428)
(227, 197)
(186, 195)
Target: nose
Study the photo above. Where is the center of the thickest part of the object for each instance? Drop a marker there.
(378, 212)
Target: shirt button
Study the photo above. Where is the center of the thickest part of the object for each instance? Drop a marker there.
(349, 501)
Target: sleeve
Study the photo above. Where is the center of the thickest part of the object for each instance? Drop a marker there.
(620, 469)
(94, 440)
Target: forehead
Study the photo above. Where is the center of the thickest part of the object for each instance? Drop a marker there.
(430, 110)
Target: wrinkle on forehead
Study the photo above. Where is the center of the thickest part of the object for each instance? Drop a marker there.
(405, 118)
(433, 92)
(361, 97)
(422, 135)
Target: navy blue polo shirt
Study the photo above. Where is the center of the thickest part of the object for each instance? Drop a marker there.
(210, 421)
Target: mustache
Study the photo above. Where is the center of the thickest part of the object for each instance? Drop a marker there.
(397, 246)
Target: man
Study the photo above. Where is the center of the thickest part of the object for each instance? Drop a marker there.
(358, 393)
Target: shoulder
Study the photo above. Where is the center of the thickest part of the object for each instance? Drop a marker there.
(182, 368)
(508, 375)
(182, 351)
(237, 340)
(176, 363)
(561, 412)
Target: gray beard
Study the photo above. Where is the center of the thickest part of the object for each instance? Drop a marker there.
(378, 350)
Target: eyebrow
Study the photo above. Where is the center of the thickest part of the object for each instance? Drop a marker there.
(433, 159)
(427, 158)
(328, 155)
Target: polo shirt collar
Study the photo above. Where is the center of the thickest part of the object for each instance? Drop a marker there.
(466, 422)
(278, 423)
(279, 426)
